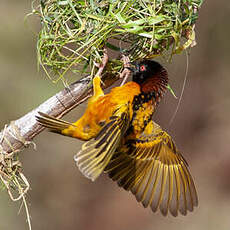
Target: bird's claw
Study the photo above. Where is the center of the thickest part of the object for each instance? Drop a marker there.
(126, 72)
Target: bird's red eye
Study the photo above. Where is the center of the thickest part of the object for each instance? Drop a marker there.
(142, 68)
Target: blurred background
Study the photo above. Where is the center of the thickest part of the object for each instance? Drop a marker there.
(61, 198)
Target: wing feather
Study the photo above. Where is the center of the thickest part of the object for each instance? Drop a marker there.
(96, 153)
(153, 169)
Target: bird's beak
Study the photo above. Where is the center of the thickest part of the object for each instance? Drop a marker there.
(131, 67)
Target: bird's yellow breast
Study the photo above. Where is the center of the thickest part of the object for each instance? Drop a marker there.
(124, 93)
(100, 109)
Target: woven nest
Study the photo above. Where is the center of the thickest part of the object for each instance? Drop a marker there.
(74, 32)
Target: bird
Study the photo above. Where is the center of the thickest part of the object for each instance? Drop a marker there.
(123, 141)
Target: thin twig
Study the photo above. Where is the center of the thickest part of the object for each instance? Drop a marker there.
(182, 91)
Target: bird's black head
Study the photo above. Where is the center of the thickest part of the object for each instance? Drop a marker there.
(146, 69)
(150, 75)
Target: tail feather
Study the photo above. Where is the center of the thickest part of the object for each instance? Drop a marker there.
(54, 124)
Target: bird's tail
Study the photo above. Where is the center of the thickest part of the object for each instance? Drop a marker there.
(54, 124)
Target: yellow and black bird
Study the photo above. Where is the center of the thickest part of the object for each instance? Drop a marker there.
(123, 141)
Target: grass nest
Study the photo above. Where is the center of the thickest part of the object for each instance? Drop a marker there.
(74, 32)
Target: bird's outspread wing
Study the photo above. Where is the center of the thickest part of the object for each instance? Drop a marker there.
(153, 169)
(96, 153)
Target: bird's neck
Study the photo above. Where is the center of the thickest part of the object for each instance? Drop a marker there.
(156, 85)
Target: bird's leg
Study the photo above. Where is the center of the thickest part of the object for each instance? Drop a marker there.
(97, 90)
(97, 79)
(101, 66)
(126, 72)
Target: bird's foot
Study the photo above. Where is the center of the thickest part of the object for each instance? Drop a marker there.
(126, 72)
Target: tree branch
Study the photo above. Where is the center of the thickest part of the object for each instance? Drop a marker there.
(19, 134)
